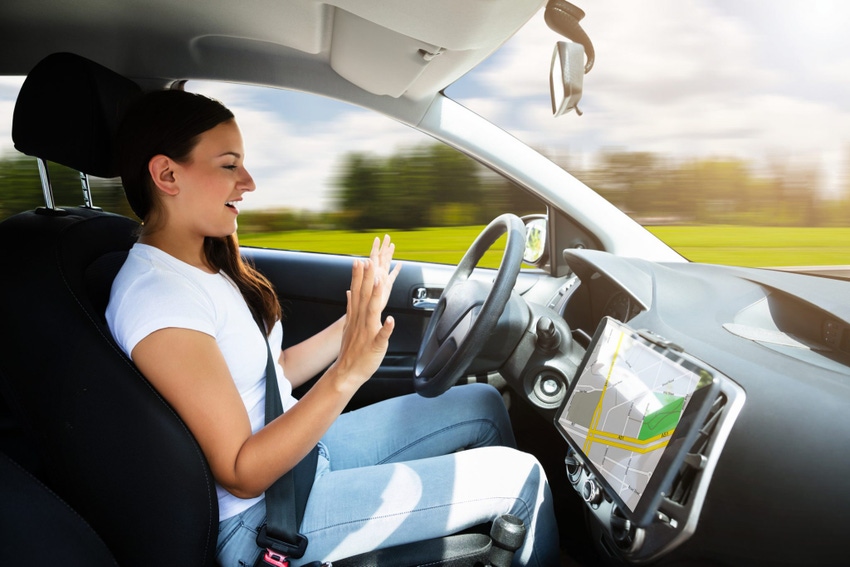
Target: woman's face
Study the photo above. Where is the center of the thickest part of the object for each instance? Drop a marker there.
(212, 182)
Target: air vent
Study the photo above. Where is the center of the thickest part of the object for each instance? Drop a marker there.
(697, 457)
(573, 465)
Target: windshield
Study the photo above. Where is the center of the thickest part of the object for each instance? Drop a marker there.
(721, 126)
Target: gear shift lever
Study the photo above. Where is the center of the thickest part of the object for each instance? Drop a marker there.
(507, 533)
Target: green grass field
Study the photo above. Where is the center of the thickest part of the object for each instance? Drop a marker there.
(441, 245)
(720, 244)
(759, 246)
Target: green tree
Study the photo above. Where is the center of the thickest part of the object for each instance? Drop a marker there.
(631, 180)
(358, 191)
(429, 185)
(716, 190)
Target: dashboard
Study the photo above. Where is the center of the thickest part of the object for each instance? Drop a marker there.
(768, 464)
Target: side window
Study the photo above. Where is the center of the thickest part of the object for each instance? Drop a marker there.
(330, 177)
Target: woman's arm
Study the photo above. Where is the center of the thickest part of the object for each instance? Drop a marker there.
(306, 359)
(188, 369)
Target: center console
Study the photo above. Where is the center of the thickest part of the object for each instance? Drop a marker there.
(645, 423)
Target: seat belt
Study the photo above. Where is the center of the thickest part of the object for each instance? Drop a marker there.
(286, 499)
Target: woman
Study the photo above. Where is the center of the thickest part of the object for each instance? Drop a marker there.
(185, 308)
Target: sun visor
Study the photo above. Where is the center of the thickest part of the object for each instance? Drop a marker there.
(395, 61)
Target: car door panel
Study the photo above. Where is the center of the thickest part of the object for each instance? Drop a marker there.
(312, 287)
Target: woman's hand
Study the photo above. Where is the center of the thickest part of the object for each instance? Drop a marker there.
(304, 360)
(364, 338)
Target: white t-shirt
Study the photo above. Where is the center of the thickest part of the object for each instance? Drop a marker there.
(153, 290)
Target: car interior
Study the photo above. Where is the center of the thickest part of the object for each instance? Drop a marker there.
(97, 469)
(102, 442)
(117, 443)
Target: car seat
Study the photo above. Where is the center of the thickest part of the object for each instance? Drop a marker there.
(81, 430)
(79, 416)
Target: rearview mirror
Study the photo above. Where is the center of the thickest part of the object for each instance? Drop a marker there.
(566, 77)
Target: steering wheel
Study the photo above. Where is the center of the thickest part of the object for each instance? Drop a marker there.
(468, 310)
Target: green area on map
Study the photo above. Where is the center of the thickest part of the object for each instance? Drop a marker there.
(664, 419)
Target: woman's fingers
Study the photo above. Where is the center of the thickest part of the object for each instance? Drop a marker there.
(372, 281)
(375, 253)
(394, 274)
(365, 288)
(382, 252)
(382, 256)
(387, 250)
(356, 278)
(367, 283)
(376, 269)
(386, 331)
(365, 337)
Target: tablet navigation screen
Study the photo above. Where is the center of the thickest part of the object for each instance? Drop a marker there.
(625, 406)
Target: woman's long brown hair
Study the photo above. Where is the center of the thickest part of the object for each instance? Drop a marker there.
(223, 254)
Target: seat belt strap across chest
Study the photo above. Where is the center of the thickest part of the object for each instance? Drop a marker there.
(286, 499)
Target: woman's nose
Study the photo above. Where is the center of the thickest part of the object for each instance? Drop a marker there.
(247, 182)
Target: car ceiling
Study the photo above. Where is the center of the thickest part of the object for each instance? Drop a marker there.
(391, 55)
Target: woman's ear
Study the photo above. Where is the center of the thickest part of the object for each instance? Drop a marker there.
(161, 169)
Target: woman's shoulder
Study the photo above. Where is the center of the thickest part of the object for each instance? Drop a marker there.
(147, 269)
(149, 294)
(148, 284)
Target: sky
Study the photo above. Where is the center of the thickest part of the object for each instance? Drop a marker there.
(760, 80)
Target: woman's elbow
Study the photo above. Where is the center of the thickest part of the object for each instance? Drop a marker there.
(241, 486)
(243, 491)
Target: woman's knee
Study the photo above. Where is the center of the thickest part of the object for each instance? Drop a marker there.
(514, 473)
(480, 398)
(488, 403)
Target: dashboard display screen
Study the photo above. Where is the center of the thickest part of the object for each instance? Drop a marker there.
(632, 412)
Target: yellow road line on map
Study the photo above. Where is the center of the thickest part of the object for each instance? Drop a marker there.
(632, 439)
(632, 448)
(594, 420)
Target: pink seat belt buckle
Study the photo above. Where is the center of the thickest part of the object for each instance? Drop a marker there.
(276, 559)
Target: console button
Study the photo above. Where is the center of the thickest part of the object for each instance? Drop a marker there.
(591, 492)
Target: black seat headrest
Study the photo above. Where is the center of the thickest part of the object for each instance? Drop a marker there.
(68, 112)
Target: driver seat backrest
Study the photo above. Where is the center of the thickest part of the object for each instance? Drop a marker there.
(85, 422)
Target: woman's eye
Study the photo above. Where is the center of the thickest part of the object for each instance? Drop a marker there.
(230, 167)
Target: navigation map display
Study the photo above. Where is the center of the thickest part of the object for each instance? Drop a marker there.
(632, 412)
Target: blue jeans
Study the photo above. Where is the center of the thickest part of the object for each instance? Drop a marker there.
(409, 469)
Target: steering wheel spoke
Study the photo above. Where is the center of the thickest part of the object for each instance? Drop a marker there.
(437, 355)
(462, 306)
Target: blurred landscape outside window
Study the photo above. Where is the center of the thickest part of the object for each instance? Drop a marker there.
(690, 126)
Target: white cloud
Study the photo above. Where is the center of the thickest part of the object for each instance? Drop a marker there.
(9, 87)
(642, 50)
(690, 78)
